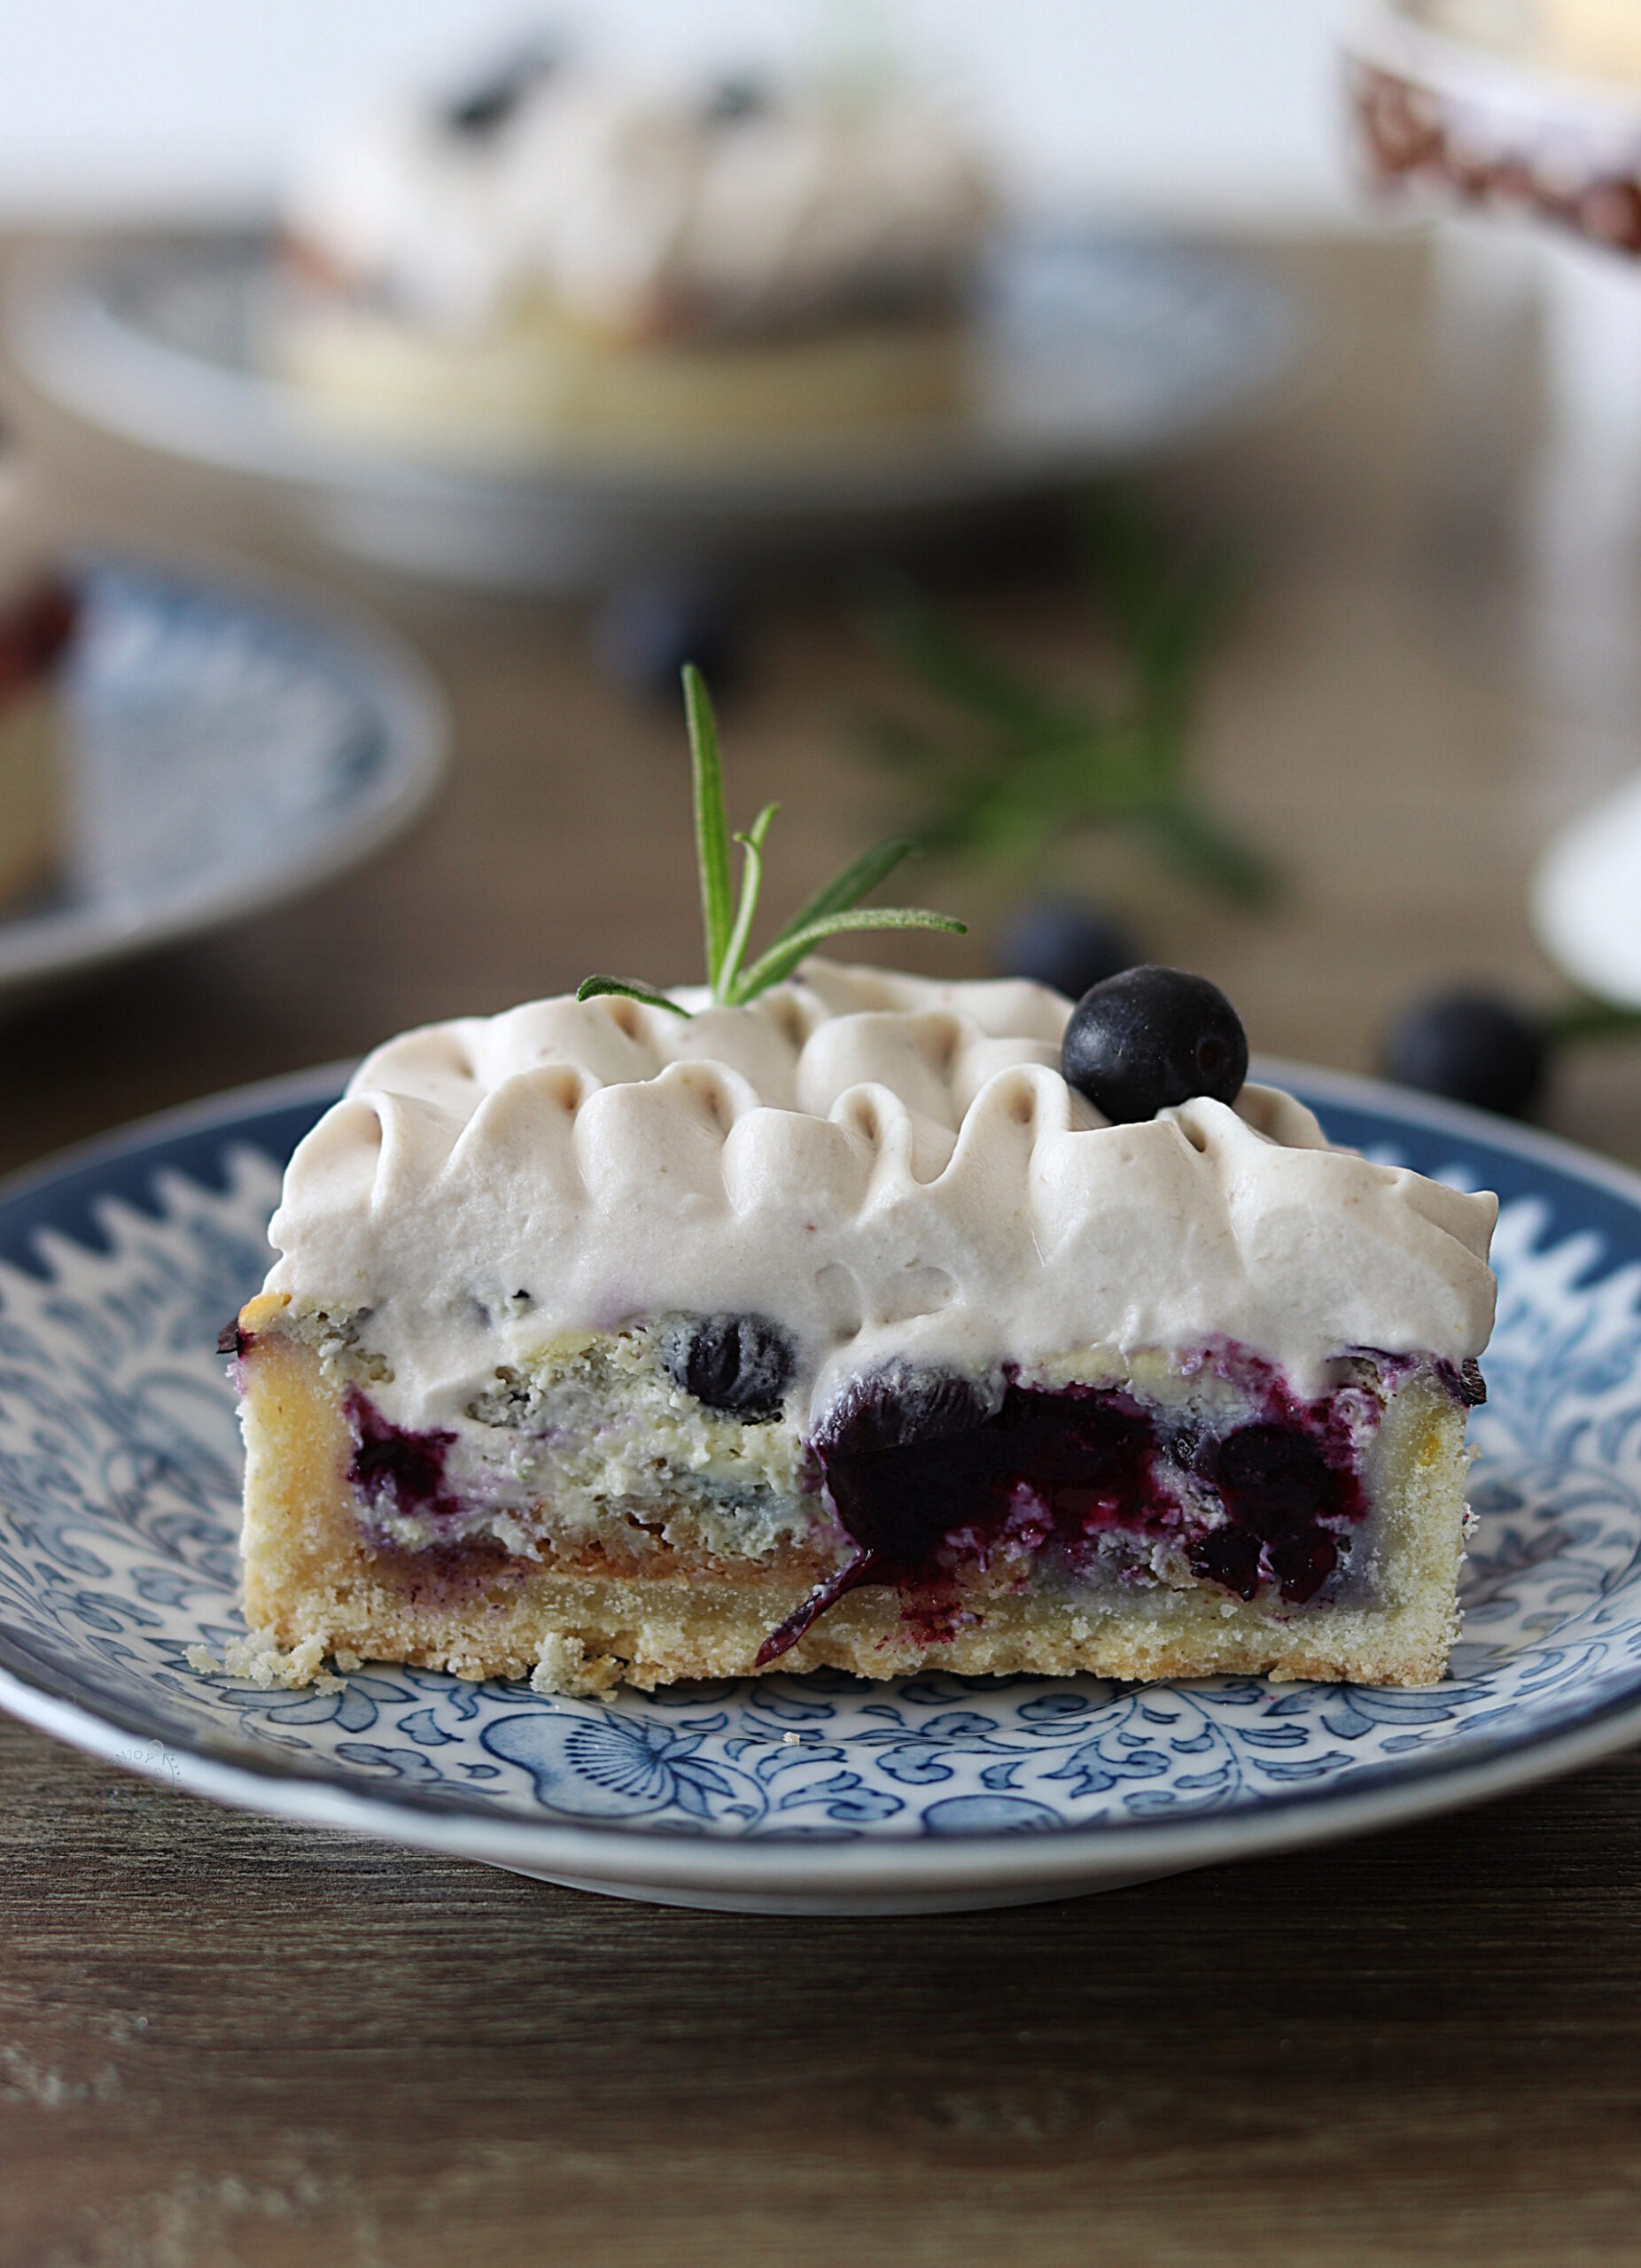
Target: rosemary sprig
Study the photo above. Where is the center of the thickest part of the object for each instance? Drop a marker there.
(1031, 765)
(727, 922)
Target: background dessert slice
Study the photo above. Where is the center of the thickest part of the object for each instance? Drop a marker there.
(37, 615)
(556, 254)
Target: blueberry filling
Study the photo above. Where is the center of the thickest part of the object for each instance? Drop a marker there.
(393, 1469)
(739, 1363)
(1284, 1498)
(926, 1481)
(931, 1476)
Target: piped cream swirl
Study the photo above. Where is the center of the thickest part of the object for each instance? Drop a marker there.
(888, 1166)
(636, 216)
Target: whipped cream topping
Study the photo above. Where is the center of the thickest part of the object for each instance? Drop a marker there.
(890, 1168)
(637, 217)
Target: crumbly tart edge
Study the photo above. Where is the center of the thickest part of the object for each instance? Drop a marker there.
(312, 1581)
(538, 380)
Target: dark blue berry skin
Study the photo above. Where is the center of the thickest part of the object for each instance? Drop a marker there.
(486, 108)
(897, 1407)
(1471, 1047)
(645, 632)
(739, 1363)
(1152, 1037)
(734, 99)
(1067, 946)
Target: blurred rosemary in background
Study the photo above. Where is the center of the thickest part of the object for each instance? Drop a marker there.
(1006, 767)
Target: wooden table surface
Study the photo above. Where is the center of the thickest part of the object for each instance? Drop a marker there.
(226, 2040)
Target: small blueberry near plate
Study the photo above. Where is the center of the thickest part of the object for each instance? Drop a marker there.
(1064, 945)
(1473, 1047)
(645, 632)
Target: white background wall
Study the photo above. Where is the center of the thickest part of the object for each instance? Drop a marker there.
(1223, 110)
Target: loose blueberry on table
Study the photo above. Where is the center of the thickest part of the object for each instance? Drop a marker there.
(646, 632)
(1063, 944)
(1473, 1047)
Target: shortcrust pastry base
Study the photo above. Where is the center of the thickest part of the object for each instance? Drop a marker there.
(311, 1577)
(532, 380)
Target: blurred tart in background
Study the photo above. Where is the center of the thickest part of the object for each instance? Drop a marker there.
(557, 257)
(38, 609)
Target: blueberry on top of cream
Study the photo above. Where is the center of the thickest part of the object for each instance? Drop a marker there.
(1150, 1038)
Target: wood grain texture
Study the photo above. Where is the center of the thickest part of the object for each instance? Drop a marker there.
(226, 2039)
(223, 2039)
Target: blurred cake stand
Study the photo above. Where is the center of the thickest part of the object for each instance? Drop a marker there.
(1534, 461)
(1090, 353)
(1538, 548)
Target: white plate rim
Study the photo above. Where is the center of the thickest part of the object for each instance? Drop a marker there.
(73, 351)
(36, 948)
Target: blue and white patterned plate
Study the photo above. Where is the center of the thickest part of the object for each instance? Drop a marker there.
(119, 1487)
(223, 750)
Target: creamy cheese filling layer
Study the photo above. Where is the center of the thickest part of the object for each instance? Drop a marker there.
(1201, 1470)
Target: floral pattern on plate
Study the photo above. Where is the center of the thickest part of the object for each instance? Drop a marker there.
(119, 1490)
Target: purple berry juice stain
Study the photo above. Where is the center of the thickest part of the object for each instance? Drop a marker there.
(393, 1469)
(927, 1484)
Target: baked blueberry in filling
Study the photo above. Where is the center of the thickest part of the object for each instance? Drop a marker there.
(926, 1481)
(739, 1363)
(395, 1471)
(932, 1475)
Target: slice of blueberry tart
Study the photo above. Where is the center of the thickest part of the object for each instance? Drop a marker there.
(824, 1316)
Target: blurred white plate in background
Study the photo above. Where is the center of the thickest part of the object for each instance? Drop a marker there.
(1586, 898)
(224, 751)
(1091, 353)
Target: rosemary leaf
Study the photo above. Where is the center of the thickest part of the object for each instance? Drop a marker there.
(781, 960)
(851, 883)
(927, 642)
(1198, 847)
(901, 747)
(1020, 768)
(712, 827)
(590, 988)
(752, 883)
(1589, 1019)
(834, 906)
